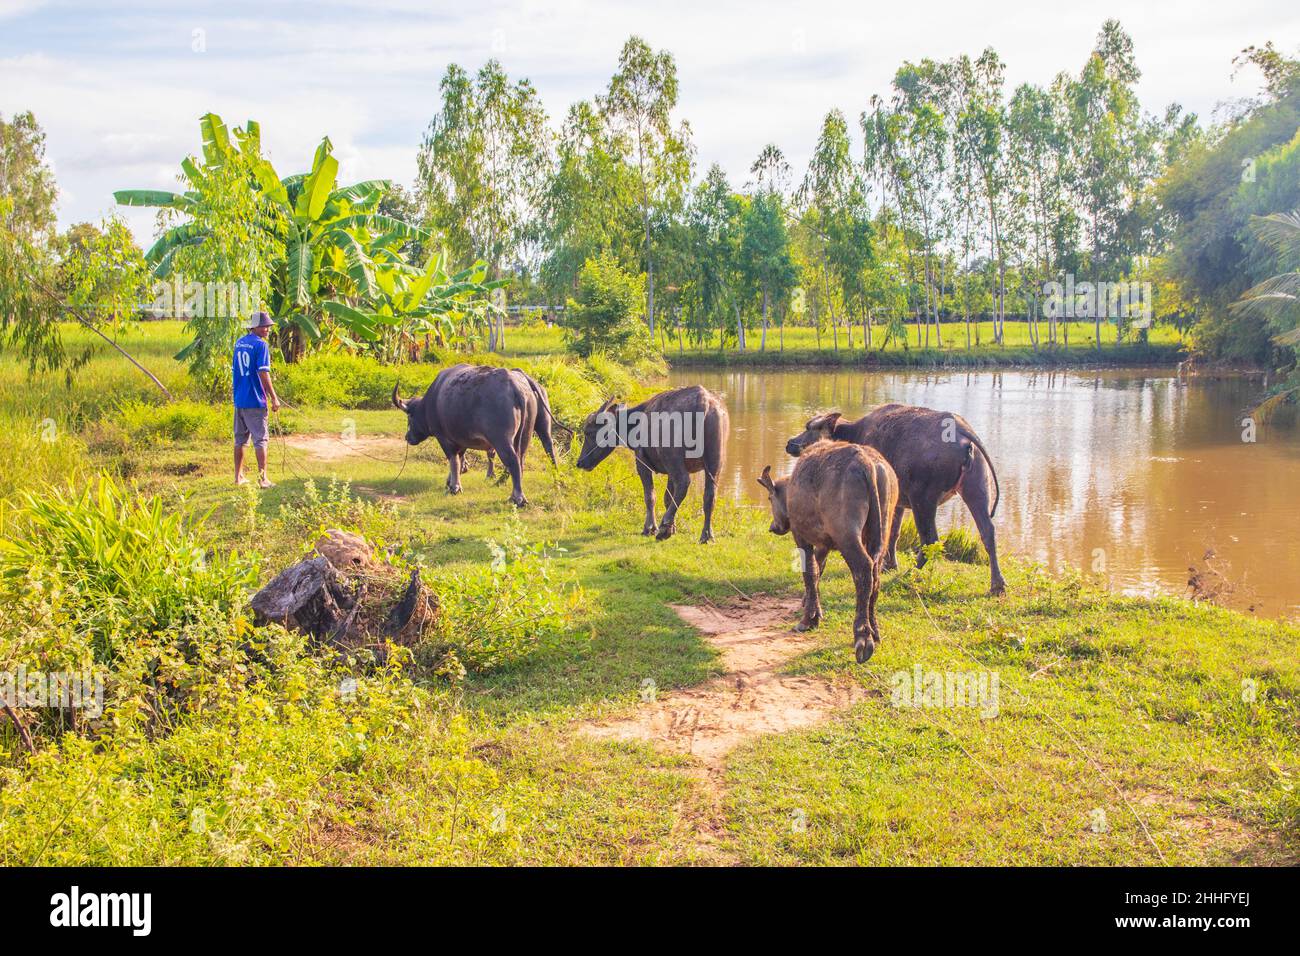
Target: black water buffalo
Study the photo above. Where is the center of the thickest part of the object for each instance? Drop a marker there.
(935, 455)
(675, 433)
(485, 408)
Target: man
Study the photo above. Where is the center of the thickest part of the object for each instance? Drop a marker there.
(251, 371)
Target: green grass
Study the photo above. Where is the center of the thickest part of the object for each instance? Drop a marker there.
(1108, 706)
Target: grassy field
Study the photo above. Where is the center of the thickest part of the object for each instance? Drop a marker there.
(1126, 731)
(801, 346)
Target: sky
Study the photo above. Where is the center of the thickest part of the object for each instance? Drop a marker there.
(119, 87)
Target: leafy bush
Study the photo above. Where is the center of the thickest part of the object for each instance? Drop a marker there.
(609, 313)
(113, 566)
(175, 421)
(496, 614)
(307, 517)
(350, 381)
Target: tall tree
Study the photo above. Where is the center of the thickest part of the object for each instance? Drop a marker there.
(25, 180)
(483, 165)
(765, 253)
(638, 105)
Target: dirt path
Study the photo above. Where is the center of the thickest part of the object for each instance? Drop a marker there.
(333, 447)
(751, 698)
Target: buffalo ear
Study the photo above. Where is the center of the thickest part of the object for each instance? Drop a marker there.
(765, 479)
(824, 422)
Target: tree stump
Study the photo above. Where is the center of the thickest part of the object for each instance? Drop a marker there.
(347, 599)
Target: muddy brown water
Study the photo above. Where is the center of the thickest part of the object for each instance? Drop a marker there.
(1132, 473)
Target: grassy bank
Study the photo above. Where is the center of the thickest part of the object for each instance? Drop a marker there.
(1126, 730)
(802, 347)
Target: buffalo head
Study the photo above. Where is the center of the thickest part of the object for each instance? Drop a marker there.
(776, 498)
(416, 430)
(600, 434)
(818, 428)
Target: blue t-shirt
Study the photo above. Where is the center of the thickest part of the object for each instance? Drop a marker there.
(252, 355)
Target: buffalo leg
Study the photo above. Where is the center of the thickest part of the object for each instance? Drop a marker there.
(975, 492)
(710, 494)
(514, 467)
(926, 527)
(891, 551)
(713, 442)
(863, 569)
(814, 562)
(648, 488)
(871, 605)
(679, 483)
(491, 471)
(453, 466)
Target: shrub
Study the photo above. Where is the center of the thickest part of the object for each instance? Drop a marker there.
(609, 313)
(173, 422)
(350, 381)
(113, 566)
(496, 614)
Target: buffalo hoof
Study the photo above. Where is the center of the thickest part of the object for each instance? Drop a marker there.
(520, 502)
(807, 624)
(665, 533)
(891, 564)
(706, 537)
(453, 491)
(863, 649)
(998, 589)
(648, 531)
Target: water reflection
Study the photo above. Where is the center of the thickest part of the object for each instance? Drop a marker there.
(1132, 470)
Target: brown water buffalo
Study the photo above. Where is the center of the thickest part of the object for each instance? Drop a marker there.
(482, 407)
(675, 433)
(935, 456)
(838, 499)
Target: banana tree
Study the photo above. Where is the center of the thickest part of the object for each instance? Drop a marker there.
(408, 304)
(323, 234)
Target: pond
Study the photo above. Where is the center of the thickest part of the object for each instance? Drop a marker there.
(1137, 474)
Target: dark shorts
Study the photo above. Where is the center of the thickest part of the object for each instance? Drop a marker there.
(250, 422)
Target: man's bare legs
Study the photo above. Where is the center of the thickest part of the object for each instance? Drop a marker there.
(260, 452)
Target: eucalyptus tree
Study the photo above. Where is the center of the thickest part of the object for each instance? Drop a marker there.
(589, 204)
(483, 165)
(974, 92)
(715, 219)
(638, 106)
(830, 187)
(25, 179)
(924, 142)
(767, 263)
(1108, 139)
(1038, 171)
(482, 168)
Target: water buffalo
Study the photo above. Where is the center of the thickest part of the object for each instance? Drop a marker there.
(482, 407)
(838, 499)
(935, 455)
(675, 433)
